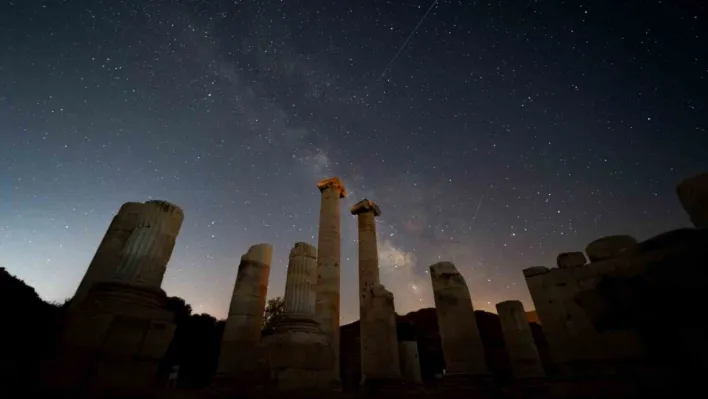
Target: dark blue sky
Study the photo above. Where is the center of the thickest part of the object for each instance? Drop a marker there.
(503, 133)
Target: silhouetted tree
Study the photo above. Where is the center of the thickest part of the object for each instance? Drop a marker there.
(272, 315)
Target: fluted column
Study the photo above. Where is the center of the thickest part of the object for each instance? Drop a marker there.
(147, 251)
(328, 260)
(242, 332)
(136, 247)
(523, 354)
(299, 285)
(459, 335)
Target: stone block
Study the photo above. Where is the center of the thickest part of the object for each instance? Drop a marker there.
(610, 247)
(570, 259)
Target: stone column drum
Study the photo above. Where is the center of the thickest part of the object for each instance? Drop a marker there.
(461, 343)
(144, 257)
(106, 260)
(366, 211)
(298, 354)
(410, 361)
(328, 260)
(693, 194)
(382, 358)
(242, 332)
(300, 298)
(523, 354)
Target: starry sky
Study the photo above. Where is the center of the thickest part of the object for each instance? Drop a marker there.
(494, 134)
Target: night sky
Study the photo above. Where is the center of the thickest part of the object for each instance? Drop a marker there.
(494, 135)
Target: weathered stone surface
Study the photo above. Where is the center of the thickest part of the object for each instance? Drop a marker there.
(136, 247)
(300, 283)
(693, 194)
(523, 355)
(113, 340)
(328, 261)
(609, 247)
(410, 361)
(459, 335)
(243, 326)
(381, 361)
(570, 259)
(535, 271)
(371, 361)
(299, 355)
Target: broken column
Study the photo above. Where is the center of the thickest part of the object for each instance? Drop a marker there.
(366, 211)
(242, 332)
(298, 354)
(693, 194)
(118, 313)
(410, 361)
(461, 343)
(381, 365)
(523, 354)
(329, 243)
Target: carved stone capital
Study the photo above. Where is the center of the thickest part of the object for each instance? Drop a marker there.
(333, 182)
(365, 205)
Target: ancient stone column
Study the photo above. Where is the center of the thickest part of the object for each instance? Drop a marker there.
(410, 361)
(242, 332)
(299, 298)
(523, 354)
(147, 251)
(366, 211)
(329, 243)
(461, 343)
(136, 246)
(382, 361)
(693, 194)
(298, 354)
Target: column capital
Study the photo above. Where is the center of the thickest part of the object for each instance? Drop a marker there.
(333, 182)
(365, 205)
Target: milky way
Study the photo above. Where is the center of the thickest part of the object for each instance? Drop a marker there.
(504, 133)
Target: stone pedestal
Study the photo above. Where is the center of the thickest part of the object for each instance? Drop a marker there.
(298, 354)
(459, 335)
(136, 248)
(242, 333)
(382, 361)
(410, 361)
(693, 194)
(113, 342)
(523, 354)
(328, 261)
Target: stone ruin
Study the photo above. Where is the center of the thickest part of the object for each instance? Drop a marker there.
(597, 310)
(117, 330)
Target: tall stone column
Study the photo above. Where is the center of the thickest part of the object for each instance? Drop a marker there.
(410, 361)
(328, 259)
(366, 211)
(299, 355)
(693, 194)
(136, 247)
(242, 332)
(461, 343)
(300, 298)
(523, 354)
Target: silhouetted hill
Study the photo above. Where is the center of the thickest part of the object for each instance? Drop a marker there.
(423, 326)
(28, 331)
